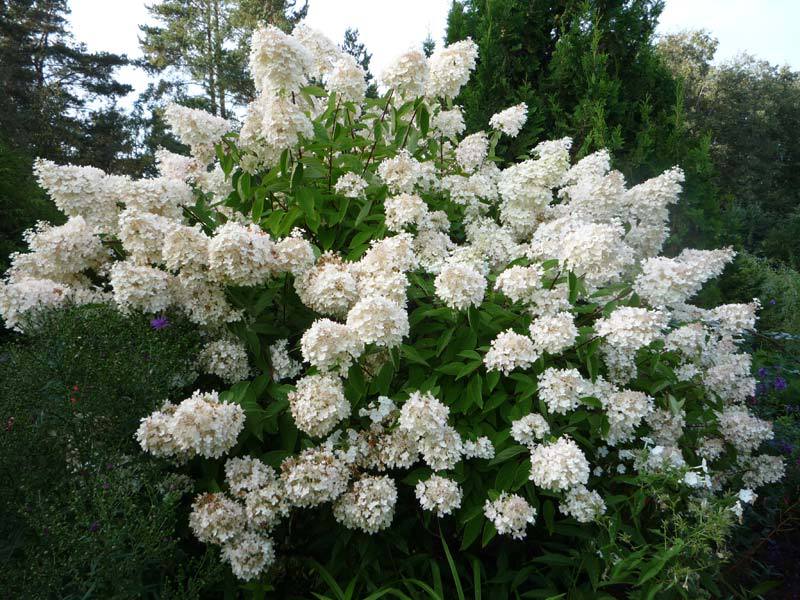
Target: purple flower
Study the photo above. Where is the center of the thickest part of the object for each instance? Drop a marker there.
(106, 485)
(773, 302)
(780, 384)
(94, 526)
(159, 323)
(762, 372)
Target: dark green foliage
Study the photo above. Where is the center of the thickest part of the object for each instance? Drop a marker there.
(588, 70)
(58, 102)
(73, 391)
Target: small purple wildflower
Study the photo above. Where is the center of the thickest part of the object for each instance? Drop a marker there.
(762, 372)
(773, 302)
(780, 384)
(106, 485)
(94, 526)
(158, 323)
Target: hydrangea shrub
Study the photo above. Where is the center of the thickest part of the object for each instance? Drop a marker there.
(404, 319)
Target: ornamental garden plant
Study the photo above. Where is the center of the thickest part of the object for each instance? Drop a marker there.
(425, 359)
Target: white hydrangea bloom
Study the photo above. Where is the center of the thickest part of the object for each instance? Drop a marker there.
(314, 476)
(553, 333)
(240, 255)
(247, 474)
(423, 414)
(404, 210)
(625, 411)
(197, 128)
(266, 505)
(442, 448)
(329, 345)
(519, 283)
(460, 285)
(318, 404)
(347, 79)
(216, 519)
(529, 429)
(278, 61)
(322, 49)
(450, 68)
(61, 253)
(79, 192)
(510, 514)
(510, 120)
(559, 465)
(439, 495)
(407, 74)
(449, 123)
(562, 389)
(631, 328)
(368, 505)
(743, 430)
(329, 287)
(480, 448)
(509, 351)
(764, 469)
(671, 281)
(378, 321)
(472, 150)
(203, 425)
(273, 124)
(248, 554)
(185, 248)
(401, 172)
(227, 359)
(283, 365)
(582, 504)
(351, 185)
(20, 297)
(140, 287)
(143, 235)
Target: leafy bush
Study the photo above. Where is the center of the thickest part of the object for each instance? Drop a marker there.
(85, 514)
(489, 354)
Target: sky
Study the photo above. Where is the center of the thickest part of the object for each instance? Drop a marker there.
(766, 28)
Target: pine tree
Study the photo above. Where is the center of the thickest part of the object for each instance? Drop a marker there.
(58, 101)
(205, 43)
(353, 46)
(428, 45)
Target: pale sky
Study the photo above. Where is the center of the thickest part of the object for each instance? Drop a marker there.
(767, 28)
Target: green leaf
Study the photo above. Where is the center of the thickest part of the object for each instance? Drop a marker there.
(507, 453)
(423, 119)
(475, 390)
(413, 355)
(489, 532)
(305, 198)
(297, 176)
(452, 564)
(258, 205)
(548, 514)
(471, 532)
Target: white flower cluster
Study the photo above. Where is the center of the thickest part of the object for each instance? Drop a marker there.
(201, 425)
(197, 129)
(510, 514)
(559, 465)
(510, 120)
(318, 404)
(368, 505)
(439, 495)
(241, 525)
(227, 359)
